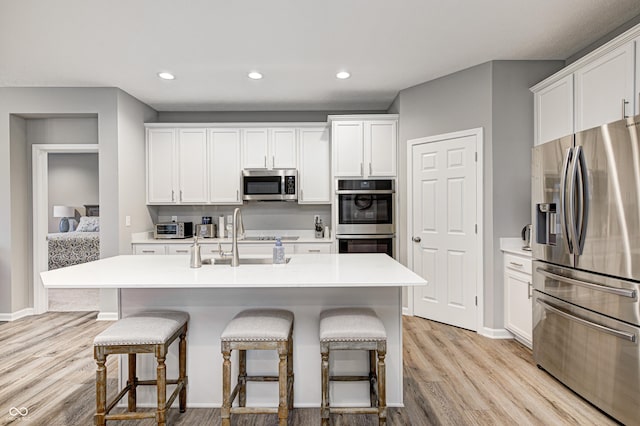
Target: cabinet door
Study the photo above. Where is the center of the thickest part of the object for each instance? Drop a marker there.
(192, 166)
(161, 156)
(283, 153)
(254, 148)
(224, 166)
(347, 148)
(554, 111)
(380, 144)
(314, 176)
(518, 306)
(182, 249)
(604, 88)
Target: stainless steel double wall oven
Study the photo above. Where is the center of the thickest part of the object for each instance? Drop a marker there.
(366, 216)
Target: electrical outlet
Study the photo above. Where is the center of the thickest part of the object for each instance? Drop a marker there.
(127, 221)
(174, 218)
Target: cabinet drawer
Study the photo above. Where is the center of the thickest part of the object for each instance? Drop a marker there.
(149, 249)
(312, 248)
(517, 263)
(178, 249)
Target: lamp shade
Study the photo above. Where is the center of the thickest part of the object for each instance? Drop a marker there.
(63, 211)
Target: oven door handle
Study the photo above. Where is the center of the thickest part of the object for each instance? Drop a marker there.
(363, 237)
(365, 191)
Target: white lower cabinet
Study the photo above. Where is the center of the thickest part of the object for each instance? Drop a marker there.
(149, 249)
(518, 296)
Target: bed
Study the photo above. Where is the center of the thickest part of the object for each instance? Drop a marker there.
(80, 246)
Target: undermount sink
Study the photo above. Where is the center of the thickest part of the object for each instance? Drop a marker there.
(243, 261)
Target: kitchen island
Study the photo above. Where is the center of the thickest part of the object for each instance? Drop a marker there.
(213, 294)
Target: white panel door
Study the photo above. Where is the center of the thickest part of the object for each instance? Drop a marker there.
(380, 142)
(604, 88)
(443, 191)
(192, 166)
(283, 152)
(347, 148)
(255, 148)
(554, 111)
(161, 157)
(314, 175)
(224, 166)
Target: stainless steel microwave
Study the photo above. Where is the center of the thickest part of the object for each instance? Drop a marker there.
(270, 185)
(171, 230)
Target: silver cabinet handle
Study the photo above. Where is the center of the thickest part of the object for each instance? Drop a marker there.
(148, 251)
(598, 287)
(181, 195)
(182, 251)
(624, 108)
(416, 239)
(617, 333)
(519, 265)
(529, 290)
(273, 162)
(172, 196)
(302, 195)
(265, 161)
(370, 172)
(314, 250)
(237, 195)
(361, 172)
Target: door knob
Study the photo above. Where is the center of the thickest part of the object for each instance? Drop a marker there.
(417, 239)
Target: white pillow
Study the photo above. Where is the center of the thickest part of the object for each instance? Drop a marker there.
(89, 224)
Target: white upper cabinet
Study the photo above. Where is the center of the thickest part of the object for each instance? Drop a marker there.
(554, 111)
(604, 88)
(272, 148)
(224, 166)
(161, 177)
(314, 177)
(192, 166)
(364, 148)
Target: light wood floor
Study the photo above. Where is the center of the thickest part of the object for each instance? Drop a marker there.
(451, 377)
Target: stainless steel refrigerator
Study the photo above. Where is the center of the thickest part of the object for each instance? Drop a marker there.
(586, 269)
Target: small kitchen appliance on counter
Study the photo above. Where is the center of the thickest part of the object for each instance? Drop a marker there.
(173, 230)
(526, 238)
(206, 230)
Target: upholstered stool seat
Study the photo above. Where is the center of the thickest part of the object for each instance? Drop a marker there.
(258, 329)
(354, 329)
(144, 332)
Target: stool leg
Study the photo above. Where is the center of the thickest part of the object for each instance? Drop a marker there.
(101, 386)
(373, 379)
(182, 360)
(133, 382)
(242, 378)
(283, 406)
(162, 385)
(225, 410)
(290, 371)
(324, 407)
(382, 384)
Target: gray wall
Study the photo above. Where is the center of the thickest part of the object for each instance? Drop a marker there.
(602, 40)
(73, 181)
(494, 96)
(65, 102)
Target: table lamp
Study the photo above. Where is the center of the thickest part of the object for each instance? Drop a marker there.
(64, 212)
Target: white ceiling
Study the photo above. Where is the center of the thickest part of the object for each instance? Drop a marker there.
(299, 45)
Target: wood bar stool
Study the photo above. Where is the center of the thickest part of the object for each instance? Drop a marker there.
(354, 329)
(144, 332)
(258, 329)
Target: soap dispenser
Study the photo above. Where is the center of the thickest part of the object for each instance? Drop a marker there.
(196, 259)
(278, 253)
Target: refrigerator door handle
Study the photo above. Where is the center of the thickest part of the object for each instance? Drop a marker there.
(571, 213)
(583, 197)
(568, 240)
(612, 331)
(592, 286)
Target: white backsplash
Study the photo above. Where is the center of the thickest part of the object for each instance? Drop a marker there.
(255, 215)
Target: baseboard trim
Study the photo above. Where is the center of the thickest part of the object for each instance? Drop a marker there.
(406, 311)
(16, 315)
(495, 333)
(108, 316)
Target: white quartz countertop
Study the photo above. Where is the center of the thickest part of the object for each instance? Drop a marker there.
(514, 246)
(305, 270)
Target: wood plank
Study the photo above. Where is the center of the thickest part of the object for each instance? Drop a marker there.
(451, 377)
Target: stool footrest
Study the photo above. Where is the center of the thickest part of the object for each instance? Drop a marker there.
(131, 416)
(261, 378)
(254, 410)
(353, 410)
(349, 378)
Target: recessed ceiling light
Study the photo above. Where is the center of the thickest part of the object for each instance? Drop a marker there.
(166, 76)
(343, 75)
(255, 75)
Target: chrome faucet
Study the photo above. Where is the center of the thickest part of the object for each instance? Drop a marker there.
(236, 227)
